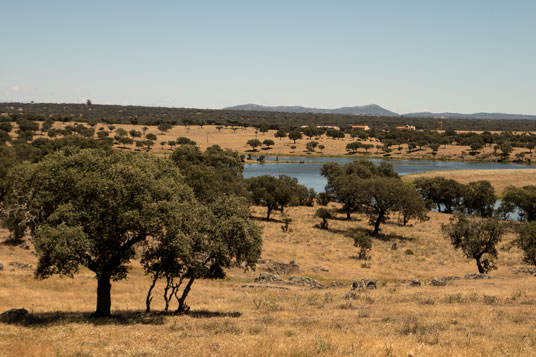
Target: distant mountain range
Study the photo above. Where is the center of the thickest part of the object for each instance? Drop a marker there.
(371, 109)
(376, 110)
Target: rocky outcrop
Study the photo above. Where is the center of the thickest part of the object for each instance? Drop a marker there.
(281, 268)
(364, 284)
(472, 276)
(304, 281)
(438, 282)
(268, 278)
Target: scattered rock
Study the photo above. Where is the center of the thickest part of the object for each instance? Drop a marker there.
(282, 268)
(20, 265)
(450, 278)
(409, 252)
(14, 315)
(318, 268)
(364, 284)
(394, 246)
(438, 282)
(266, 278)
(525, 270)
(1, 266)
(304, 281)
(335, 284)
(264, 287)
(471, 276)
(350, 295)
(415, 282)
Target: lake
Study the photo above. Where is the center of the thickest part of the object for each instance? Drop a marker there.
(308, 173)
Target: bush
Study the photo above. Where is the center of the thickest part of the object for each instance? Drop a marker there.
(364, 243)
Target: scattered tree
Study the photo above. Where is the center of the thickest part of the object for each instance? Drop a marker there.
(477, 238)
(254, 143)
(109, 204)
(324, 214)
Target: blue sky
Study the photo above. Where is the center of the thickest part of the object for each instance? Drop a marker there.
(464, 56)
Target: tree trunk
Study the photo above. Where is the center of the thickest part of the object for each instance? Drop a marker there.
(268, 214)
(182, 306)
(377, 224)
(479, 265)
(348, 214)
(104, 301)
(149, 297)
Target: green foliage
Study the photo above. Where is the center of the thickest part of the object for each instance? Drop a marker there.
(441, 193)
(277, 193)
(200, 244)
(211, 173)
(353, 147)
(268, 143)
(526, 241)
(163, 127)
(521, 200)
(93, 208)
(295, 135)
(479, 198)
(334, 133)
(185, 141)
(324, 198)
(280, 134)
(477, 238)
(364, 243)
(254, 143)
(342, 181)
(311, 145)
(412, 206)
(135, 133)
(375, 190)
(324, 214)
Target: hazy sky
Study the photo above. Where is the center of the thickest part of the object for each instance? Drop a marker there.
(429, 55)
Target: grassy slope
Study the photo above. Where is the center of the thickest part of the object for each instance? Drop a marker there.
(498, 178)
(466, 317)
(236, 140)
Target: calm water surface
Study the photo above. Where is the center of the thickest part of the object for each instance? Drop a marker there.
(308, 173)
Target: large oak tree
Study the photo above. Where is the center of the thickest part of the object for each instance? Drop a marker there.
(92, 208)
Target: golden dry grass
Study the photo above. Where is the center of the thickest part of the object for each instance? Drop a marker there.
(467, 317)
(499, 179)
(233, 139)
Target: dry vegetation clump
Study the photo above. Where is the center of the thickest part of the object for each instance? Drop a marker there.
(235, 317)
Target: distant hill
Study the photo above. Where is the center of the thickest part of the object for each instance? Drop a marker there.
(470, 116)
(376, 110)
(371, 109)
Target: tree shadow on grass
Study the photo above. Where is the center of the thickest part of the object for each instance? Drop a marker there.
(263, 219)
(200, 314)
(45, 319)
(353, 232)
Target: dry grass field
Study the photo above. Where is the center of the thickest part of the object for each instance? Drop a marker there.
(236, 139)
(492, 317)
(499, 179)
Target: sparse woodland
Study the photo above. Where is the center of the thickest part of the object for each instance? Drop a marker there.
(137, 236)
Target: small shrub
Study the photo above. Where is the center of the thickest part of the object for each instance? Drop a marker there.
(286, 222)
(324, 214)
(364, 244)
